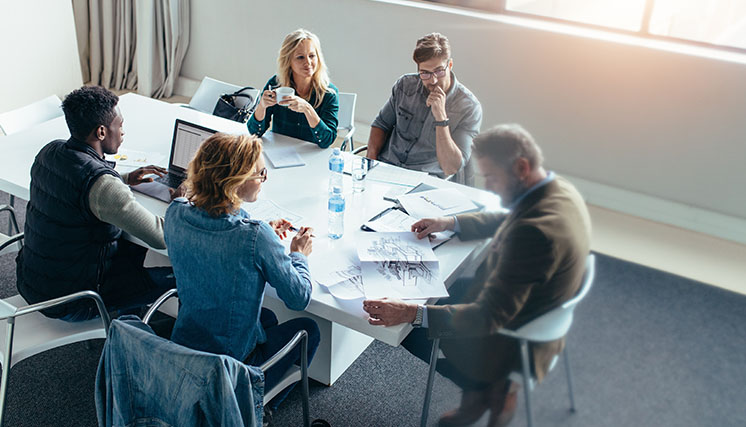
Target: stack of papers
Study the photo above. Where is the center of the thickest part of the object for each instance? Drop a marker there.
(283, 157)
(267, 210)
(436, 203)
(393, 265)
(398, 265)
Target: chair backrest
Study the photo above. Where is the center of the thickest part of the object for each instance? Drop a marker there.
(346, 115)
(208, 93)
(30, 115)
(554, 324)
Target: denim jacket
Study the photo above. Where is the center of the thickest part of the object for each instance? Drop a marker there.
(143, 379)
(221, 265)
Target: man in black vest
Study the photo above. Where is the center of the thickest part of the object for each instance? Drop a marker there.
(78, 207)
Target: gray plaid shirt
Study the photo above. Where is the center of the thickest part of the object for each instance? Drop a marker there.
(409, 126)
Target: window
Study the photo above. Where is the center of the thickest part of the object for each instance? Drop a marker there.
(714, 22)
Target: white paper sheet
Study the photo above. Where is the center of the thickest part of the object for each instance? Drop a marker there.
(267, 210)
(436, 203)
(396, 175)
(396, 220)
(402, 246)
(283, 157)
(402, 280)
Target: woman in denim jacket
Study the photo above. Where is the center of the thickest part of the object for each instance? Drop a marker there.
(222, 259)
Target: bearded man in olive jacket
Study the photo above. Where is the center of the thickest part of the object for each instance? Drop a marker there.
(535, 263)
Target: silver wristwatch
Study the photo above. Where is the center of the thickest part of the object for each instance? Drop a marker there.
(417, 323)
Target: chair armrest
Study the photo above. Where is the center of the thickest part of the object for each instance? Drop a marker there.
(360, 149)
(158, 303)
(20, 311)
(13, 239)
(348, 139)
(300, 337)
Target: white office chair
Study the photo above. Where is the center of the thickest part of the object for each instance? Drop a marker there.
(346, 117)
(7, 240)
(29, 332)
(293, 375)
(208, 93)
(550, 326)
(30, 115)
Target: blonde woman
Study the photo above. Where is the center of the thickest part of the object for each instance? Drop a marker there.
(310, 114)
(222, 258)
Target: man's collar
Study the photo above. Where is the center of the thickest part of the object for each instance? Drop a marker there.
(549, 178)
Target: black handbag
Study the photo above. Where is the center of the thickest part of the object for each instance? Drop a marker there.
(237, 106)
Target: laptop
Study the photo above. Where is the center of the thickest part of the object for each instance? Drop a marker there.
(186, 141)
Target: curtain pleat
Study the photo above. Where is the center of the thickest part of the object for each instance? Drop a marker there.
(110, 55)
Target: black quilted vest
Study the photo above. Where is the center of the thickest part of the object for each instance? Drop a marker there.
(67, 249)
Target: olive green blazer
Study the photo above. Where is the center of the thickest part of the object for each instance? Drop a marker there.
(535, 263)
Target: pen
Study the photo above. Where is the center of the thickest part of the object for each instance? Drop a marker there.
(296, 229)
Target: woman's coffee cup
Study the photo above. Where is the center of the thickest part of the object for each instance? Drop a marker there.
(282, 92)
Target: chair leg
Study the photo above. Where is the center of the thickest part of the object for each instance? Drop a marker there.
(12, 219)
(6, 366)
(526, 381)
(304, 379)
(430, 380)
(569, 379)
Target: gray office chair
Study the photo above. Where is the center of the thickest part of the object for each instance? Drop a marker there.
(293, 375)
(29, 332)
(208, 92)
(346, 117)
(550, 326)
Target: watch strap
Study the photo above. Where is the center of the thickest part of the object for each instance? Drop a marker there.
(418, 317)
(443, 123)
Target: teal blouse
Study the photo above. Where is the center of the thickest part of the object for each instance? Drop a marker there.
(294, 124)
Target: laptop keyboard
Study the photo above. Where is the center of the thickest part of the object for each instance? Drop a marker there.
(170, 180)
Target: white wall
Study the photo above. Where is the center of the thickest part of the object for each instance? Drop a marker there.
(39, 51)
(653, 132)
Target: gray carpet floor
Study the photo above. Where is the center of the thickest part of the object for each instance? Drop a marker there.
(647, 349)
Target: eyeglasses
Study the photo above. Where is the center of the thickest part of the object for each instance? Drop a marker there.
(262, 175)
(439, 73)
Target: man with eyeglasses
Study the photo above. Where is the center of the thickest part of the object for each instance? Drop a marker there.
(430, 119)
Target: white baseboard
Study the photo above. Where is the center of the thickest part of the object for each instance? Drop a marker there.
(663, 211)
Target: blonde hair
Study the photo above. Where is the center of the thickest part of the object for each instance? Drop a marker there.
(320, 78)
(222, 164)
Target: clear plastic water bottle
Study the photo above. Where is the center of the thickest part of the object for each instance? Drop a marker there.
(336, 166)
(336, 213)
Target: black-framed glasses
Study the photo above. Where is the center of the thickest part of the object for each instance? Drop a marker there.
(262, 175)
(439, 73)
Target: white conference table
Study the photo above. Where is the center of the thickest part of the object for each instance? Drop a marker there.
(148, 126)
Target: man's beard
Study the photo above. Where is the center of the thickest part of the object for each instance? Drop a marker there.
(514, 190)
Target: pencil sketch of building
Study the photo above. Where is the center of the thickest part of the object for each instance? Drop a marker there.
(351, 276)
(393, 248)
(404, 273)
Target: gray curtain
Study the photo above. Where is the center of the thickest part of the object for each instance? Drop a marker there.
(113, 35)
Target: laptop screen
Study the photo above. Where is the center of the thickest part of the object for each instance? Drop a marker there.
(187, 139)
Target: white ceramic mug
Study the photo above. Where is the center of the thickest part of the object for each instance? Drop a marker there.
(282, 92)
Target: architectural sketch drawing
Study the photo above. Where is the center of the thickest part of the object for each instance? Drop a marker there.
(401, 279)
(402, 246)
(404, 273)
